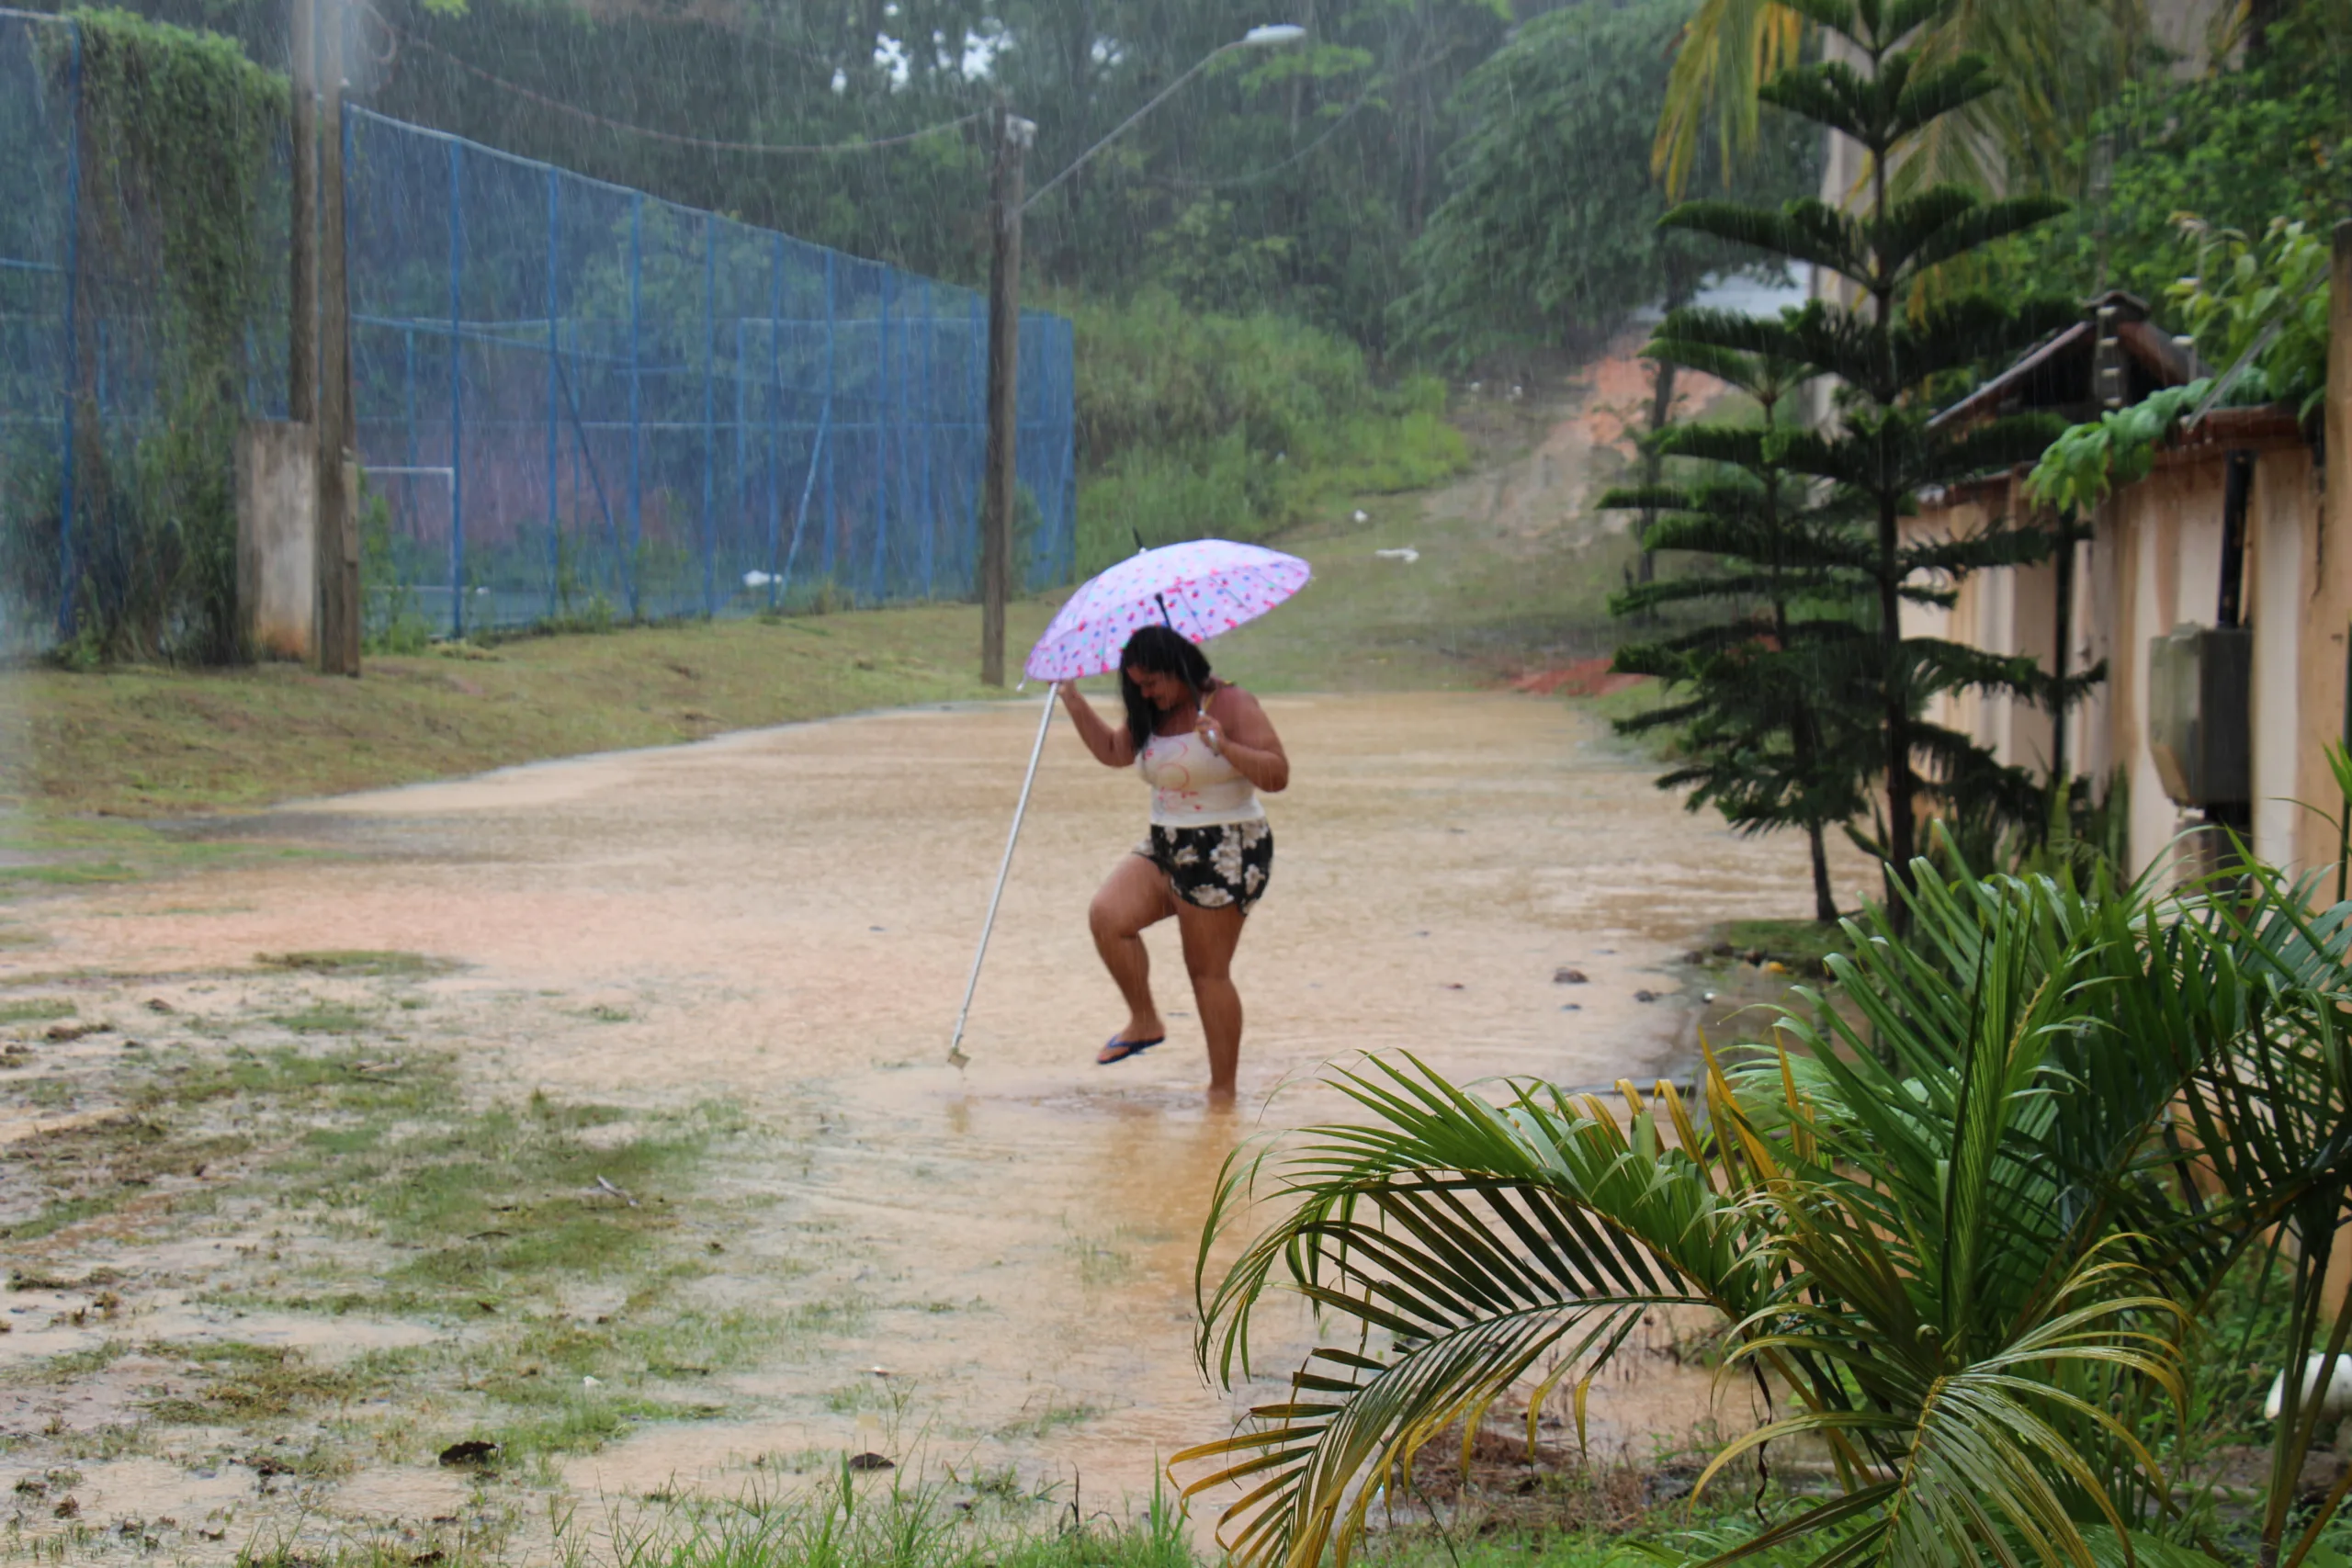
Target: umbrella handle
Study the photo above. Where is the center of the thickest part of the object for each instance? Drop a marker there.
(1045, 721)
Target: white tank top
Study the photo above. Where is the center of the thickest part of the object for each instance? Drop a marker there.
(1192, 786)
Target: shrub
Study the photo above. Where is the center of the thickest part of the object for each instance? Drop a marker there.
(1192, 424)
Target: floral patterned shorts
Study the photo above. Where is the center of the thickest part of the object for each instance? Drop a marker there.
(1212, 867)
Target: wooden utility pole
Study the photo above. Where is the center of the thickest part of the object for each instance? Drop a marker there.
(1012, 144)
(302, 291)
(338, 530)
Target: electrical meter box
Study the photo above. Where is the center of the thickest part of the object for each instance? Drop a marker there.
(2200, 713)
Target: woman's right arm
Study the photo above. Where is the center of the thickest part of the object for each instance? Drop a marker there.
(1113, 747)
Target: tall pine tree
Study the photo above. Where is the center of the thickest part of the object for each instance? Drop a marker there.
(1885, 349)
(1765, 701)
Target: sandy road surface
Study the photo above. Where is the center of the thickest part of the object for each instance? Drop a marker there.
(786, 918)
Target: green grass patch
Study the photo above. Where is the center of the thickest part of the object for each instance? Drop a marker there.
(358, 961)
(1800, 945)
(347, 1080)
(498, 1202)
(98, 751)
(35, 1009)
(77, 1363)
(583, 1421)
(72, 874)
(1050, 1418)
(60, 1213)
(323, 1018)
(248, 1383)
(889, 1521)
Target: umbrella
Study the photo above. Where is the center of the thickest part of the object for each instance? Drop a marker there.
(1201, 588)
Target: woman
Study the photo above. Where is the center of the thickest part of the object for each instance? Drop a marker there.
(1206, 749)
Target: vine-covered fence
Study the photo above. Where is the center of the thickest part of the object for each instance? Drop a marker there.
(573, 400)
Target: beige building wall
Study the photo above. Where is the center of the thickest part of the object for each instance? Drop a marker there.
(2281, 534)
(2325, 585)
(2168, 550)
(2154, 563)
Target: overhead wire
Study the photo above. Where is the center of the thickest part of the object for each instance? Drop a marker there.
(545, 100)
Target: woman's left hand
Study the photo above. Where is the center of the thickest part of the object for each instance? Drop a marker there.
(1207, 730)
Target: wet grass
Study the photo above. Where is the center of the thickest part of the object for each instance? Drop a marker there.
(93, 1170)
(323, 1018)
(1800, 947)
(147, 743)
(361, 1176)
(74, 1363)
(364, 962)
(56, 851)
(845, 1521)
(242, 1384)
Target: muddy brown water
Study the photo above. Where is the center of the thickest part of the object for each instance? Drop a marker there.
(786, 918)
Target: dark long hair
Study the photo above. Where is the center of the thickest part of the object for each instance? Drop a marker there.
(1160, 651)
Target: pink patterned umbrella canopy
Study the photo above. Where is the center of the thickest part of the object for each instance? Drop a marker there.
(1203, 589)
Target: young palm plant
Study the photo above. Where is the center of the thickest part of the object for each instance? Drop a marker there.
(2209, 1129)
(1959, 1224)
(1899, 1292)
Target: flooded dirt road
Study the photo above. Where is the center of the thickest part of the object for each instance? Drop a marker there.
(998, 1261)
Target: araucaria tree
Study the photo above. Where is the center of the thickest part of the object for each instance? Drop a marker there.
(1886, 347)
(1763, 692)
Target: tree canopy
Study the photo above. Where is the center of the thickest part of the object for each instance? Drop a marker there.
(1549, 229)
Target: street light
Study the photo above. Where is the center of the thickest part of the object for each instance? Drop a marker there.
(1006, 204)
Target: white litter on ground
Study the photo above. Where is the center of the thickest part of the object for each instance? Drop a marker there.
(1407, 556)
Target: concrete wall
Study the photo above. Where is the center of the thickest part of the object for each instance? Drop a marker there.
(277, 578)
(2010, 611)
(2324, 606)
(2169, 554)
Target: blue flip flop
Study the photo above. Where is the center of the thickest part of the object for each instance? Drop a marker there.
(1125, 1048)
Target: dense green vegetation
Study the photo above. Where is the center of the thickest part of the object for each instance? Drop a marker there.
(1549, 233)
(179, 128)
(1193, 423)
(2268, 136)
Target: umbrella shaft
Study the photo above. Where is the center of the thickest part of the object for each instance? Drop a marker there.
(1037, 749)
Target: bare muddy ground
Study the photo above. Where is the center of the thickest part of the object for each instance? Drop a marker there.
(612, 1124)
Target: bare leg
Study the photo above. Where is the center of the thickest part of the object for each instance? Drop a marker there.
(1210, 937)
(1133, 896)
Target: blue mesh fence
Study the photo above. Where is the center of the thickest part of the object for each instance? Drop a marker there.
(572, 398)
(38, 274)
